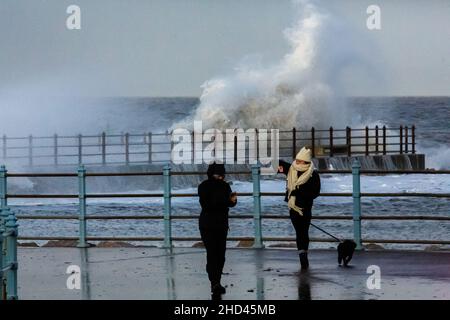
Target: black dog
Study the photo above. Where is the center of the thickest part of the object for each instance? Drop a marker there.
(345, 251)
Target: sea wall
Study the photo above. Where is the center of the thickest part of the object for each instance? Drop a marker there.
(374, 162)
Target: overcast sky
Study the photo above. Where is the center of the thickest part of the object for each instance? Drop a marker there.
(170, 47)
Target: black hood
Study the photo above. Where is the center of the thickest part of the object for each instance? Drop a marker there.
(215, 168)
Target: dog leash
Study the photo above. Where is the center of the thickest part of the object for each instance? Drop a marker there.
(339, 240)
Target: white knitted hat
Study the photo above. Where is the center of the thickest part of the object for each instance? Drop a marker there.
(304, 154)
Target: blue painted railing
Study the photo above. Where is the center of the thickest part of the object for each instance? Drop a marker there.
(256, 215)
(8, 261)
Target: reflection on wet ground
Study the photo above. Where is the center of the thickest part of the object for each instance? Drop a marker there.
(249, 274)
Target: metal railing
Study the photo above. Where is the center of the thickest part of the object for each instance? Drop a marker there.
(256, 194)
(8, 257)
(147, 148)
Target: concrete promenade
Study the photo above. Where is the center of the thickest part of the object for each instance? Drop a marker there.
(153, 273)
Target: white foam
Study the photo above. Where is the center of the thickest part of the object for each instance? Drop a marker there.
(436, 157)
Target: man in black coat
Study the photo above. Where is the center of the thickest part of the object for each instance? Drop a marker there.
(215, 198)
(303, 186)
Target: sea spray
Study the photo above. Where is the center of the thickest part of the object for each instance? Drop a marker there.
(301, 90)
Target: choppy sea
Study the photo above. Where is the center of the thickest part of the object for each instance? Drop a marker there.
(430, 115)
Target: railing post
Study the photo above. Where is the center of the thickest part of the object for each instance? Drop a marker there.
(376, 140)
(384, 140)
(356, 167)
(257, 146)
(413, 139)
(80, 149)
(294, 143)
(103, 148)
(30, 150)
(55, 148)
(331, 141)
(348, 136)
(11, 231)
(367, 140)
(3, 187)
(149, 147)
(256, 171)
(406, 139)
(235, 143)
(167, 207)
(401, 139)
(82, 207)
(127, 148)
(4, 146)
(4, 213)
(313, 142)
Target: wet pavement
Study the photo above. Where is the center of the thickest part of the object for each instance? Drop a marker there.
(249, 274)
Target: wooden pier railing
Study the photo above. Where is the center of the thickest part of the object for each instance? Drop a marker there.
(145, 148)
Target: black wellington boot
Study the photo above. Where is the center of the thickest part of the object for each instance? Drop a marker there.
(217, 288)
(304, 260)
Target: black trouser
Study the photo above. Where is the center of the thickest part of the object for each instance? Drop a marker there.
(215, 241)
(301, 225)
